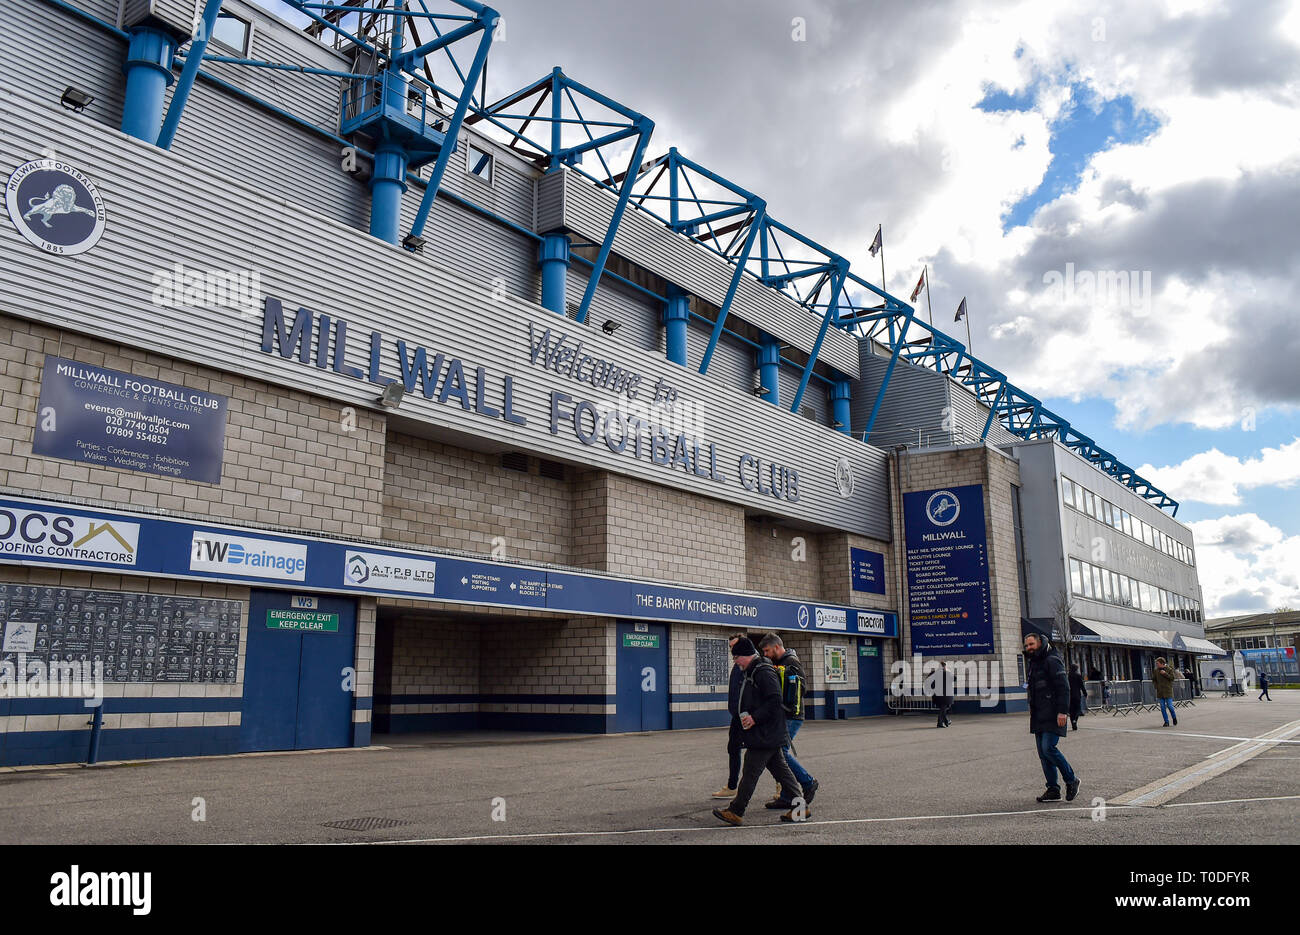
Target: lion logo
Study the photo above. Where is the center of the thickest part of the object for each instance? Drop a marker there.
(55, 206)
(63, 200)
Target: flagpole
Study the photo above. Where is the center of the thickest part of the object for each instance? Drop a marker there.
(880, 229)
(927, 295)
(967, 317)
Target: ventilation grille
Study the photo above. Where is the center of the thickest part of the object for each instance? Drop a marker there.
(552, 469)
(515, 461)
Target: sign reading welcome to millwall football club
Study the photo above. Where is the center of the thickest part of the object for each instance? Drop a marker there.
(948, 571)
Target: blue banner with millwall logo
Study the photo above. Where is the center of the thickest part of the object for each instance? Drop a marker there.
(948, 572)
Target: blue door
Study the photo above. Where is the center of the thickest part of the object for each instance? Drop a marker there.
(642, 690)
(294, 681)
(871, 677)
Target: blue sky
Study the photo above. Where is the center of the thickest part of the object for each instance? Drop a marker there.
(1087, 124)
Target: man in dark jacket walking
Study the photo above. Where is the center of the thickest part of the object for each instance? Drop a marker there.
(1263, 684)
(734, 730)
(1049, 705)
(945, 694)
(1078, 692)
(762, 721)
(792, 701)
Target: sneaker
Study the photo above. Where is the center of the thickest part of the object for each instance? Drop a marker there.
(1071, 789)
(1053, 794)
(779, 802)
(728, 816)
(725, 793)
(789, 816)
(1175, 722)
(810, 790)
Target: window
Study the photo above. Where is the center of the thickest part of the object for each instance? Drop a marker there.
(1076, 576)
(1087, 502)
(1067, 491)
(1108, 586)
(1098, 589)
(1105, 512)
(1087, 581)
(1128, 522)
(232, 32)
(478, 163)
(1126, 591)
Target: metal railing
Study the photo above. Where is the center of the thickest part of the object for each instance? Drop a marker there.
(1128, 697)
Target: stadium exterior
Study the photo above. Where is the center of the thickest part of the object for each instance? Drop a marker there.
(314, 425)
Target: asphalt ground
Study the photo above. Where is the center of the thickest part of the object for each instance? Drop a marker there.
(883, 780)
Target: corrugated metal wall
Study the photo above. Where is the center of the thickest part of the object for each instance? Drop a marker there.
(215, 222)
(84, 57)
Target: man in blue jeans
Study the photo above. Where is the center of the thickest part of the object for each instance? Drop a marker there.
(1049, 708)
(1164, 678)
(793, 685)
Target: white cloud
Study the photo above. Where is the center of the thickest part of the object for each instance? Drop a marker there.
(1246, 565)
(1214, 477)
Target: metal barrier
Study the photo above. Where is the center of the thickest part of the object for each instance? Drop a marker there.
(1127, 697)
(909, 704)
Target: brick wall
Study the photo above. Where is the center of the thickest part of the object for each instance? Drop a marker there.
(788, 563)
(441, 496)
(661, 533)
(287, 462)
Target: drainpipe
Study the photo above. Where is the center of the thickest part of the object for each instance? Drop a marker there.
(148, 70)
(676, 314)
(769, 365)
(386, 188)
(840, 405)
(553, 257)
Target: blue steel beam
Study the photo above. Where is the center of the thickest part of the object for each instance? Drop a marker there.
(832, 313)
(194, 59)
(760, 208)
(487, 23)
(646, 128)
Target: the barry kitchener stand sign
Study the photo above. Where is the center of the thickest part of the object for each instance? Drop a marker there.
(119, 420)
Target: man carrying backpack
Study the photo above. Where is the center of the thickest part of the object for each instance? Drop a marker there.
(762, 722)
(793, 686)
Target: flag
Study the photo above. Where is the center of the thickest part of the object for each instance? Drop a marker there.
(920, 284)
(961, 310)
(875, 244)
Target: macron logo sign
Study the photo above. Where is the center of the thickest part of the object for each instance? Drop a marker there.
(248, 558)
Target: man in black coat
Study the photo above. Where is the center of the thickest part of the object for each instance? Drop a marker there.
(734, 730)
(762, 722)
(1049, 706)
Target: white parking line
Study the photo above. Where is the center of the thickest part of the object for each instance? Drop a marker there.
(1169, 732)
(825, 823)
(1175, 784)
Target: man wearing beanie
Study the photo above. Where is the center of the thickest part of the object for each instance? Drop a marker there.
(763, 734)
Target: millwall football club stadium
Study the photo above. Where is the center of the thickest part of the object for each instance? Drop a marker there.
(340, 402)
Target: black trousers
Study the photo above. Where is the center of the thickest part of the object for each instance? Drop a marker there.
(943, 704)
(756, 761)
(733, 756)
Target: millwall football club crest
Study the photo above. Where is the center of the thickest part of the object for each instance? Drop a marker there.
(844, 477)
(55, 206)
